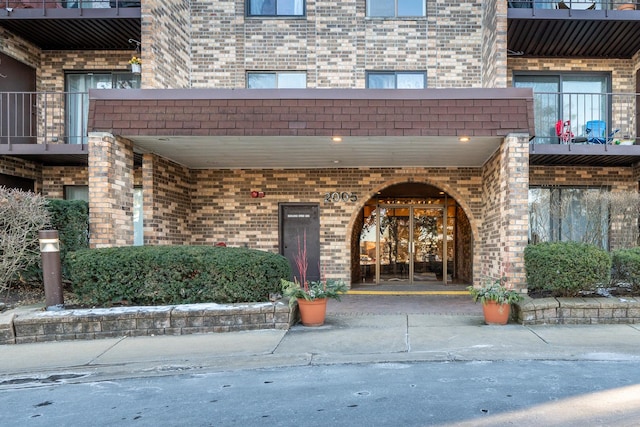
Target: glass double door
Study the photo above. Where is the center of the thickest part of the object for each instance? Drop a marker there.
(405, 244)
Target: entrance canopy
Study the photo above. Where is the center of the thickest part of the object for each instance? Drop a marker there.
(314, 128)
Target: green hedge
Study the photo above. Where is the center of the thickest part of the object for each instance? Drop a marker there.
(150, 275)
(566, 268)
(625, 267)
(71, 219)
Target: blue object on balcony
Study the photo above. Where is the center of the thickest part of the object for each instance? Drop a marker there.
(596, 132)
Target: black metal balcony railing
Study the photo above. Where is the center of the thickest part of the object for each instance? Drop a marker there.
(43, 117)
(67, 4)
(575, 4)
(585, 118)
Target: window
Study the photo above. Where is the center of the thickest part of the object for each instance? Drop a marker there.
(76, 192)
(569, 214)
(396, 8)
(275, 7)
(396, 80)
(277, 80)
(77, 108)
(138, 220)
(576, 97)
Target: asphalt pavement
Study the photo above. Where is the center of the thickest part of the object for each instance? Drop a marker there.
(378, 332)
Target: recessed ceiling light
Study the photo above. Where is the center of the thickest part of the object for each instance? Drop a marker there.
(336, 139)
(336, 161)
(464, 139)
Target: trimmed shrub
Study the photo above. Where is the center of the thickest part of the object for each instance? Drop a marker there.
(625, 267)
(151, 275)
(71, 219)
(566, 268)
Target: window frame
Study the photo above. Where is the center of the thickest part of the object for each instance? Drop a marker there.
(77, 103)
(395, 75)
(395, 8)
(560, 101)
(248, 13)
(68, 191)
(277, 75)
(555, 217)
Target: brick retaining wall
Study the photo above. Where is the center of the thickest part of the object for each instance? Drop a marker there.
(36, 325)
(577, 311)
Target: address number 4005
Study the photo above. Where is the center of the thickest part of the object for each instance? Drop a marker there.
(336, 197)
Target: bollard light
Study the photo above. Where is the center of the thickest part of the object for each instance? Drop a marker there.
(49, 245)
(51, 269)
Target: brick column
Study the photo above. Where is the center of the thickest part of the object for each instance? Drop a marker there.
(515, 214)
(110, 190)
(505, 217)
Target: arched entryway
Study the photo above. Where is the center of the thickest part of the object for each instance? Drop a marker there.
(412, 234)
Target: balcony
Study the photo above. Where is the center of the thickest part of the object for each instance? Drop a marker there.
(576, 29)
(73, 24)
(598, 129)
(44, 126)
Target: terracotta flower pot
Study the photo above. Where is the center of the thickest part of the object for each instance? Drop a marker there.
(312, 313)
(496, 314)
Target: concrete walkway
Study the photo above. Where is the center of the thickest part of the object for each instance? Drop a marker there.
(371, 335)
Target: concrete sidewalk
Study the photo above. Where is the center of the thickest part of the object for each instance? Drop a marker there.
(345, 338)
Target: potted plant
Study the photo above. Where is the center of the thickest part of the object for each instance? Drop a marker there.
(136, 65)
(496, 299)
(311, 296)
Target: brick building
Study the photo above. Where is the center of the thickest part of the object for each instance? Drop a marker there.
(406, 141)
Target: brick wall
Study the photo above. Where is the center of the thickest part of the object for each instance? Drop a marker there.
(500, 250)
(55, 178)
(111, 191)
(622, 70)
(335, 44)
(223, 210)
(19, 49)
(22, 169)
(494, 48)
(165, 49)
(167, 192)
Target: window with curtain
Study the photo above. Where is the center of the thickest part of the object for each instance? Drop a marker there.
(77, 98)
(569, 214)
(76, 192)
(396, 8)
(396, 80)
(276, 80)
(275, 8)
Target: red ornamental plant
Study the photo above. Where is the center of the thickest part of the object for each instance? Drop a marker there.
(301, 288)
(302, 262)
